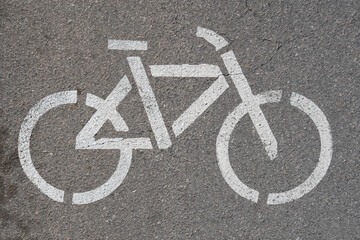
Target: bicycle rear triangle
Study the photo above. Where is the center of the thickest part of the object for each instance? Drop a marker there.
(106, 110)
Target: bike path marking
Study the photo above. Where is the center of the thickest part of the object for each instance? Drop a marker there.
(46, 104)
(106, 110)
(205, 100)
(321, 123)
(200, 105)
(151, 107)
(127, 45)
(185, 70)
(84, 141)
(256, 114)
(212, 37)
(110, 185)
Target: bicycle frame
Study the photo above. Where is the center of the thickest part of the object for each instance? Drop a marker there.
(107, 108)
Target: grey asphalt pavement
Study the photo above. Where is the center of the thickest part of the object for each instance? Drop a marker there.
(308, 47)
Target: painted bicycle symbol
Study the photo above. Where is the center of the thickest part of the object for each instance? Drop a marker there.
(106, 110)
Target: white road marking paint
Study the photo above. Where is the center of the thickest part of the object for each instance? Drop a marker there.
(119, 143)
(222, 151)
(106, 110)
(185, 70)
(321, 123)
(151, 107)
(316, 115)
(222, 146)
(269, 97)
(126, 45)
(200, 105)
(250, 102)
(125, 145)
(46, 104)
(110, 185)
(213, 38)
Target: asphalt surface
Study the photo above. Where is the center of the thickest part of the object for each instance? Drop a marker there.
(179, 193)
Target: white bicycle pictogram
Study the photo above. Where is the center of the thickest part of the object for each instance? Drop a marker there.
(106, 110)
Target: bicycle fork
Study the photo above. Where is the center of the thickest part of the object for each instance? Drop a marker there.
(251, 103)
